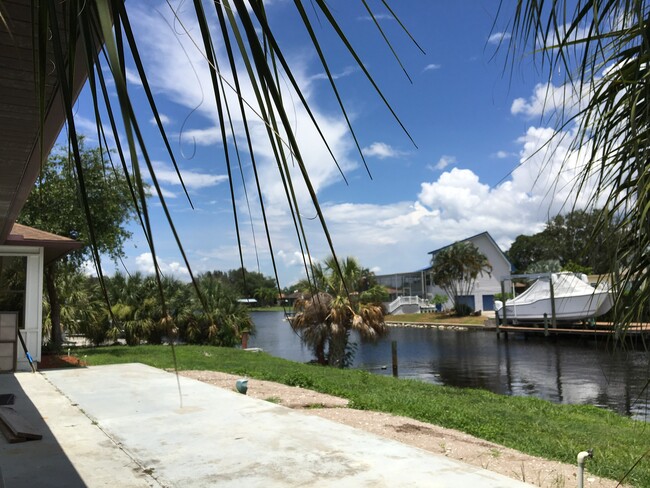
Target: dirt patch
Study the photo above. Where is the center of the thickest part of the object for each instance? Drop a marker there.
(57, 361)
(432, 438)
(288, 396)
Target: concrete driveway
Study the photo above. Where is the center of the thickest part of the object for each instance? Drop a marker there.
(126, 425)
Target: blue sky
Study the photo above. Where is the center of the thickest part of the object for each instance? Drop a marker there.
(480, 162)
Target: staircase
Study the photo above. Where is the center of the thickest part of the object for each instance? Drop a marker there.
(406, 305)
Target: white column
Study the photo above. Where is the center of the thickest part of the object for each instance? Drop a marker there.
(33, 333)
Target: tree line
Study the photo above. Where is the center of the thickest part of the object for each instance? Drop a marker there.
(579, 241)
(134, 310)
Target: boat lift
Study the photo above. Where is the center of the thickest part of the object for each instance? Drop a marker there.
(529, 276)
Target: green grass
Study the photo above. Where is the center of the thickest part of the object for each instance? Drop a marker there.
(529, 425)
(435, 318)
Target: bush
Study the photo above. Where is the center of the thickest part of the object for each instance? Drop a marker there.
(463, 310)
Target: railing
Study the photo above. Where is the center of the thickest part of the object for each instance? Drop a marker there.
(399, 301)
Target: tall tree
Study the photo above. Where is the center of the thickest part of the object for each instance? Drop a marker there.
(325, 319)
(579, 238)
(54, 206)
(456, 268)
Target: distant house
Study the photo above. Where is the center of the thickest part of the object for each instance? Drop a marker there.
(289, 299)
(405, 284)
(486, 286)
(419, 283)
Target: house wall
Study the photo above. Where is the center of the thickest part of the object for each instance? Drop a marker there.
(486, 285)
(33, 313)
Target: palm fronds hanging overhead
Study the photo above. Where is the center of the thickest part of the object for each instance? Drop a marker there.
(250, 82)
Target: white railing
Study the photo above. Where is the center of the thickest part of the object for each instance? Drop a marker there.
(399, 301)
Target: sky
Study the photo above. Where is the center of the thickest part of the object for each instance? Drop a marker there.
(479, 159)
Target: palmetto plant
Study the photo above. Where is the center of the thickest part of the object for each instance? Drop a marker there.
(325, 319)
(216, 318)
(82, 306)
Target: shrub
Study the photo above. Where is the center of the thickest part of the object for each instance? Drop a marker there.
(463, 310)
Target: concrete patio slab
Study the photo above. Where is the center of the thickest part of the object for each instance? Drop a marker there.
(222, 438)
(73, 452)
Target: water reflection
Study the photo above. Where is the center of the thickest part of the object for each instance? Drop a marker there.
(570, 370)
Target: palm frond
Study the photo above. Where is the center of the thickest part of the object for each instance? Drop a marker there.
(603, 48)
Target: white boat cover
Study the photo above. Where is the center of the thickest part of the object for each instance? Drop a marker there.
(564, 285)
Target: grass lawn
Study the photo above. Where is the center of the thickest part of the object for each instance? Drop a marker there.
(529, 425)
(435, 318)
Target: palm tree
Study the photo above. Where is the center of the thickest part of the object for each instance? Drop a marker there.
(214, 317)
(325, 319)
(456, 268)
(82, 308)
(602, 50)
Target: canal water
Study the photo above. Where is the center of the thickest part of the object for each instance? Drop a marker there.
(569, 370)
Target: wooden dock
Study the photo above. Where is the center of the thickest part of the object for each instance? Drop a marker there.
(601, 329)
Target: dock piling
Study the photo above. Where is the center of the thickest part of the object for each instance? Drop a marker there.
(545, 324)
(393, 346)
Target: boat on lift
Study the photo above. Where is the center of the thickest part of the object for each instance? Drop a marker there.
(575, 300)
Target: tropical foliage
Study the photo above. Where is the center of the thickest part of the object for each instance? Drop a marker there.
(600, 52)
(577, 241)
(325, 319)
(136, 314)
(456, 268)
(248, 284)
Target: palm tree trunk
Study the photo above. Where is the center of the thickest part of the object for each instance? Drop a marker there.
(337, 348)
(55, 306)
(320, 353)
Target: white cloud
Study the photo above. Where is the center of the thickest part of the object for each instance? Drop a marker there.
(548, 99)
(377, 17)
(499, 37)
(458, 204)
(172, 59)
(576, 36)
(296, 258)
(192, 179)
(382, 151)
(163, 118)
(347, 71)
(145, 264)
(202, 137)
(167, 193)
(502, 154)
(443, 162)
(431, 67)
(133, 77)
(88, 268)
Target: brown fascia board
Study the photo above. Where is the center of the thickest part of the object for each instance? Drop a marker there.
(54, 120)
(54, 245)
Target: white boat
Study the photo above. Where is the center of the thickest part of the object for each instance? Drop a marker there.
(575, 300)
